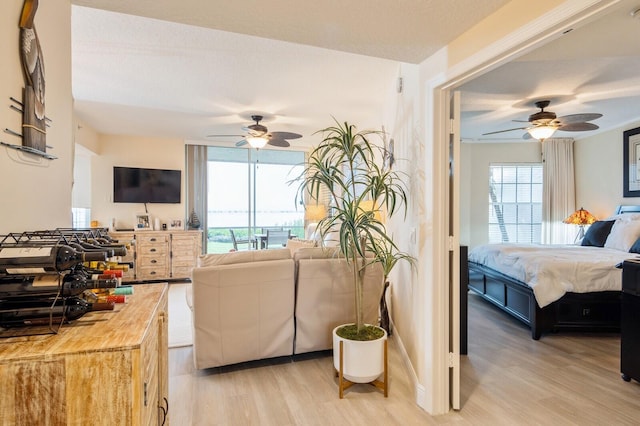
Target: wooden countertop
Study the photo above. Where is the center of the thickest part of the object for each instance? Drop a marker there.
(122, 328)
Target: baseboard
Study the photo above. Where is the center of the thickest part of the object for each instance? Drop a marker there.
(413, 377)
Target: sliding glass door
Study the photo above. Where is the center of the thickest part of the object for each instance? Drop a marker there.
(249, 190)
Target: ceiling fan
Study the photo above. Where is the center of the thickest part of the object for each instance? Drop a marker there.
(258, 136)
(543, 124)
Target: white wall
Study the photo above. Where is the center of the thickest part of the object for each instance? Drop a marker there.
(133, 151)
(599, 172)
(35, 193)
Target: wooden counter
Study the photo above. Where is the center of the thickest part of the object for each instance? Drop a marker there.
(106, 368)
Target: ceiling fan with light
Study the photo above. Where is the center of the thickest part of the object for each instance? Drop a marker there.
(258, 136)
(543, 124)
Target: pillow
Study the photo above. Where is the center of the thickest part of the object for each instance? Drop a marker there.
(597, 233)
(635, 248)
(317, 253)
(331, 239)
(625, 216)
(294, 244)
(623, 234)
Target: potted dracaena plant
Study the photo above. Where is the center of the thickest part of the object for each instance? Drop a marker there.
(345, 165)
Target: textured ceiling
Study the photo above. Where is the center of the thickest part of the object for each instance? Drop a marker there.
(192, 68)
(406, 30)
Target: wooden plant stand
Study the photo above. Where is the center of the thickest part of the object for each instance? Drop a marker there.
(344, 384)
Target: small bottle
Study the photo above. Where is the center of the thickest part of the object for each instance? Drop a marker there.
(99, 300)
(126, 290)
(100, 273)
(115, 298)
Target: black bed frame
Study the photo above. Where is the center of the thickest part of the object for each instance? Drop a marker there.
(598, 311)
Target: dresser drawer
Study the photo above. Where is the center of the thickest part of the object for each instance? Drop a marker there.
(155, 250)
(152, 239)
(152, 260)
(152, 272)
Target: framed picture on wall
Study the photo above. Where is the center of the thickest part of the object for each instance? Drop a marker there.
(631, 162)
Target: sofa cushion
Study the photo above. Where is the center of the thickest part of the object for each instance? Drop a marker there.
(294, 244)
(243, 257)
(316, 253)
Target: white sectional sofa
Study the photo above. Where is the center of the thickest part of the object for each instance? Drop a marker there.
(325, 297)
(262, 304)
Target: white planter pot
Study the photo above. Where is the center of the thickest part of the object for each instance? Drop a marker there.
(363, 361)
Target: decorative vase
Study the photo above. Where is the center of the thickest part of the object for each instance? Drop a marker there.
(384, 310)
(362, 361)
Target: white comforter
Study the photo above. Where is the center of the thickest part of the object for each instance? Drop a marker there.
(553, 270)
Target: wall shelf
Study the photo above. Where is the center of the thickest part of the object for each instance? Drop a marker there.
(29, 150)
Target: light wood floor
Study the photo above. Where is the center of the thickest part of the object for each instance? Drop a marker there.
(507, 379)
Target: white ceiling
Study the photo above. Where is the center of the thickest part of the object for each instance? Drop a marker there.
(193, 68)
(157, 68)
(592, 69)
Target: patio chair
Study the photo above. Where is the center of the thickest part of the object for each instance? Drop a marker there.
(241, 241)
(277, 238)
(271, 228)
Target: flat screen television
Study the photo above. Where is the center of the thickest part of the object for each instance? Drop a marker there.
(136, 185)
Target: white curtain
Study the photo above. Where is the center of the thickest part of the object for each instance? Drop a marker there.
(196, 185)
(558, 194)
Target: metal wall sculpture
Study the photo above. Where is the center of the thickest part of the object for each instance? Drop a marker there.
(33, 117)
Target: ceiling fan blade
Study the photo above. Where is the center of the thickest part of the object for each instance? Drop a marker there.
(285, 135)
(278, 142)
(225, 136)
(502, 131)
(578, 118)
(242, 142)
(257, 129)
(577, 127)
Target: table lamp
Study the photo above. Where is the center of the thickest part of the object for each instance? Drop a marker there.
(580, 217)
(313, 213)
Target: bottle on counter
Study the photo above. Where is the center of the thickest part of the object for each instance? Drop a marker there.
(38, 258)
(31, 312)
(12, 286)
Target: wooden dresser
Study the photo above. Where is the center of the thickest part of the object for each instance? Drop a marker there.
(106, 368)
(161, 255)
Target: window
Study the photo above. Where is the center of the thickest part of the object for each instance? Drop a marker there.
(248, 190)
(515, 203)
(81, 217)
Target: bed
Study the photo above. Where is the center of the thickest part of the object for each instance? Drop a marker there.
(559, 288)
